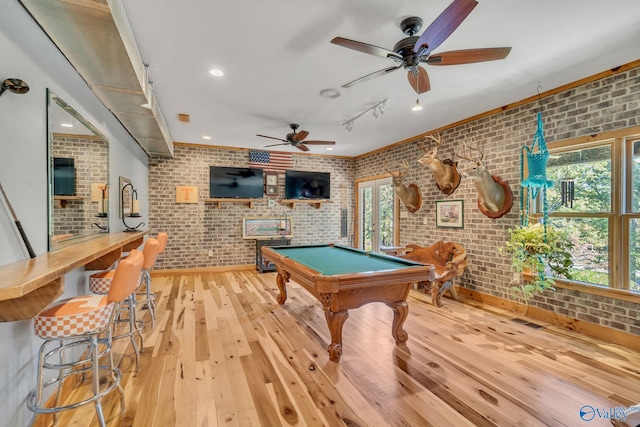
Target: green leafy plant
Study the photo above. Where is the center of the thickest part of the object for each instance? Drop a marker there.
(531, 250)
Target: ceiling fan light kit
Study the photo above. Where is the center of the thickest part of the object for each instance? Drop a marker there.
(414, 50)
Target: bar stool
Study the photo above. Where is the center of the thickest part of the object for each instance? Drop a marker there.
(76, 325)
(100, 283)
(149, 296)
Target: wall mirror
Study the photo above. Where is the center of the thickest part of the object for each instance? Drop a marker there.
(78, 157)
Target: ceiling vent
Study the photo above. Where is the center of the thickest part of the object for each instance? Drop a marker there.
(95, 36)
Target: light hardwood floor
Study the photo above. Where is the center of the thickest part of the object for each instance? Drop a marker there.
(224, 353)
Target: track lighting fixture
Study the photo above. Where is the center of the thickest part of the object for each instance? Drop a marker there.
(377, 110)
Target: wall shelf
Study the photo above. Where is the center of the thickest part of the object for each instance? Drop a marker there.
(30, 285)
(219, 202)
(293, 202)
(62, 200)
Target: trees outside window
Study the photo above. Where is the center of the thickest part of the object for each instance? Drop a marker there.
(596, 199)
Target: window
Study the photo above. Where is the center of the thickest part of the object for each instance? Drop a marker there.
(596, 199)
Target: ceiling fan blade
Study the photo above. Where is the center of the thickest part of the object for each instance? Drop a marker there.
(372, 75)
(320, 142)
(445, 24)
(271, 137)
(273, 145)
(299, 136)
(365, 48)
(420, 82)
(302, 147)
(468, 56)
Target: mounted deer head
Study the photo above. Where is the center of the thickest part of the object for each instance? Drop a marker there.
(445, 171)
(494, 194)
(410, 196)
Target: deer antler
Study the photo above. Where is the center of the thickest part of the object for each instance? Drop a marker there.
(386, 168)
(437, 139)
(469, 157)
(405, 163)
(397, 174)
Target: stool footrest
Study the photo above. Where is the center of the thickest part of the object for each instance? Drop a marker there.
(35, 407)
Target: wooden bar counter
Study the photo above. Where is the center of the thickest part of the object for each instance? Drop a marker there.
(28, 286)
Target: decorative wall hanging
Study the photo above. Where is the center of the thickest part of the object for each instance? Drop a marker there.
(409, 195)
(495, 197)
(535, 168)
(444, 171)
(186, 194)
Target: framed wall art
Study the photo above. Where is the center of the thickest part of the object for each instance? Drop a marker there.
(450, 213)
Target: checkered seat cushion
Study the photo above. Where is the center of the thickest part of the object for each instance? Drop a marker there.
(73, 317)
(100, 283)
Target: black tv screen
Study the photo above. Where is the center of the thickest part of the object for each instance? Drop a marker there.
(307, 185)
(64, 177)
(241, 183)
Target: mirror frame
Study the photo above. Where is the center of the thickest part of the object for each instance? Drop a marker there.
(101, 224)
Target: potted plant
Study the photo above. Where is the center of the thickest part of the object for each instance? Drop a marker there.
(531, 251)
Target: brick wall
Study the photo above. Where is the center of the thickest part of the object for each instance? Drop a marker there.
(607, 104)
(91, 166)
(603, 105)
(196, 229)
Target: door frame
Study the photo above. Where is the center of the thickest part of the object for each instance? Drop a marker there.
(396, 210)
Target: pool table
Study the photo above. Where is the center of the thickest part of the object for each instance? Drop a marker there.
(343, 278)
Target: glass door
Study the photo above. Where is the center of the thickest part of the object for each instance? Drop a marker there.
(376, 214)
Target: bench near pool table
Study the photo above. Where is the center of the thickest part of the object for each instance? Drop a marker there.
(342, 278)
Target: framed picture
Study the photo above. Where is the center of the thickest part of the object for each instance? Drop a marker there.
(271, 184)
(266, 227)
(450, 213)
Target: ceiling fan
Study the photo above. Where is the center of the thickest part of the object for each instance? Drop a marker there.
(296, 139)
(409, 52)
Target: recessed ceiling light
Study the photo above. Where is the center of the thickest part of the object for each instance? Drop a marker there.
(216, 73)
(206, 137)
(66, 125)
(329, 148)
(330, 93)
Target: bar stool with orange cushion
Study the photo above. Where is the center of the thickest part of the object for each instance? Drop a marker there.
(150, 297)
(100, 283)
(77, 326)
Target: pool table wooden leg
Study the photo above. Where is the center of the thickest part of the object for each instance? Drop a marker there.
(400, 313)
(335, 320)
(281, 280)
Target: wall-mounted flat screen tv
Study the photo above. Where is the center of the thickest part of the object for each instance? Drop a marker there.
(64, 177)
(239, 183)
(307, 185)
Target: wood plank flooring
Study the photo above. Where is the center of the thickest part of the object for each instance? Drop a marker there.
(224, 353)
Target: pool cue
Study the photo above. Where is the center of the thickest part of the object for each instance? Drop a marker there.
(20, 229)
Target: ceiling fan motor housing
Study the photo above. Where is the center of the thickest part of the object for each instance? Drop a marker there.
(404, 48)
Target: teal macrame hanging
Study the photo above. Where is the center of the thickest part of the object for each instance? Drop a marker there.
(536, 179)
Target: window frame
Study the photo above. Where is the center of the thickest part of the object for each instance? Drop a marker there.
(620, 215)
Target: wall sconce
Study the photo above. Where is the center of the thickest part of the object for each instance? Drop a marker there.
(103, 201)
(567, 195)
(135, 207)
(15, 86)
(377, 110)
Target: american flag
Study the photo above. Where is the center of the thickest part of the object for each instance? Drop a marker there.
(270, 161)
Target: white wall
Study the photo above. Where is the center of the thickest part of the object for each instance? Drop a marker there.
(28, 54)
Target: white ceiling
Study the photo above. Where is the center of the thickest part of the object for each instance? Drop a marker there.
(277, 57)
